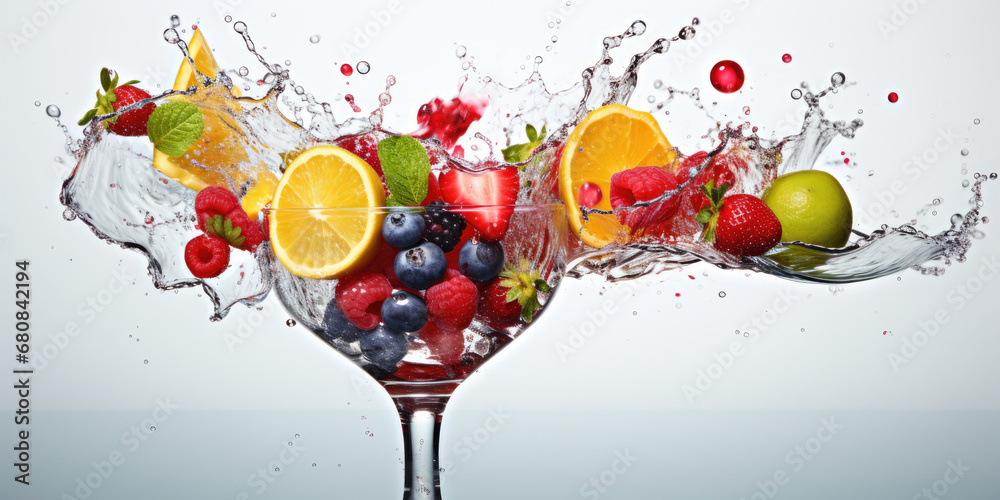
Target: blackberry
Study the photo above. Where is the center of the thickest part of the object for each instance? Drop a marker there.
(442, 228)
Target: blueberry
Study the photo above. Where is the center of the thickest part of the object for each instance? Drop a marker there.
(480, 260)
(385, 348)
(404, 312)
(336, 326)
(421, 266)
(403, 229)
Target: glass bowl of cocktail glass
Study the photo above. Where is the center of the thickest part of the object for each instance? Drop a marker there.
(421, 368)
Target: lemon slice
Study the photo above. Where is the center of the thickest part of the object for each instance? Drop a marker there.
(204, 61)
(609, 140)
(324, 221)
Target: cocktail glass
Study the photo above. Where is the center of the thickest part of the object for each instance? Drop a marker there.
(423, 381)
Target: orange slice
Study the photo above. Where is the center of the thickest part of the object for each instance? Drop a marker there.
(609, 140)
(204, 61)
(325, 220)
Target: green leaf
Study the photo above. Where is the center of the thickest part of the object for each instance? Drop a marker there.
(87, 117)
(406, 168)
(131, 82)
(105, 79)
(174, 127)
(391, 201)
(532, 133)
(114, 81)
(518, 153)
(704, 216)
(542, 286)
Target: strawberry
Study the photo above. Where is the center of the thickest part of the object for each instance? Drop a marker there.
(722, 169)
(738, 224)
(250, 230)
(212, 201)
(643, 184)
(129, 123)
(206, 256)
(451, 304)
(360, 296)
(494, 309)
(496, 188)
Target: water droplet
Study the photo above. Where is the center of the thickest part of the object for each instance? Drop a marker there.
(538, 59)
(727, 76)
(746, 110)
(290, 322)
(635, 313)
(228, 19)
(274, 14)
(965, 183)
(657, 84)
(243, 71)
(976, 121)
(695, 22)
(965, 152)
(796, 94)
(993, 175)
(240, 27)
(552, 25)
(171, 36)
(871, 173)
(461, 51)
(175, 20)
(364, 67)
(145, 361)
(893, 97)
(152, 428)
(722, 294)
(838, 79)
(314, 39)
(686, 33)
(39, 103)
(53, 111)
(986, 220)
(787, 58)
(288, 62)
(314, 464)
(637, 28)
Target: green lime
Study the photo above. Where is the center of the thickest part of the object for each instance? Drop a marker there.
(812, 207)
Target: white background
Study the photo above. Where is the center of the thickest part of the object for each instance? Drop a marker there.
(819, 355)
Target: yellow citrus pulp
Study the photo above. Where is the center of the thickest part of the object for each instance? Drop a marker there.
(310, 236)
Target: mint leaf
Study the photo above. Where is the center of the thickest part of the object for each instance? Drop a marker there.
(174, 127)
(406, 168)
(518, 153)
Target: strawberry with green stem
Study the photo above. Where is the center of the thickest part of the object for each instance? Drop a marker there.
(738, 224)
(131, 122)
(511, 296)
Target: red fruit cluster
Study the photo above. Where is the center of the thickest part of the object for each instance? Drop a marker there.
(642, 185)
(225, 224)
(448, 121)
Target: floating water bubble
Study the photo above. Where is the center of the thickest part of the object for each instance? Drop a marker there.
(650, 99)
(243, 71)
(240, 27)
(538, 59)
(555, 39)
(965, 152)
(965, 183)
(274, 14)
(552, 25)
(993, 175)
(171, 36)
(695, 22)
(722, 295)
(657, 84)
(145, 361)
(838, 79)
(686, 33)
(796, 94)
(637, 28)
(152, 428)
(290, 322)
(314, 39)
(364, 67)
(228, 19)
(175, 20)
(38, 103)
(53, 111)
(746, 110)
(461, 51)
(976, 121)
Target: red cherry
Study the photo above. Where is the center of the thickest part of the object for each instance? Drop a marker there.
(727, 76)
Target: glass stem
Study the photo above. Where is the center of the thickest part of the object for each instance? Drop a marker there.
(422, 462)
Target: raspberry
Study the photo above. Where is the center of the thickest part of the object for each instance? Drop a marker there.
(451, 303)
(249, 230)
(444, 228)
(360, 297)
(642, 184)
(206, 256)
(212, 201)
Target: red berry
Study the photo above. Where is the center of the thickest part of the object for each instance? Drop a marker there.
(212, 201)
(449, 121)
(496, 189)
(447, 346)
(433, 191)
(365, 147)
(249, 229)
(642, 184)
(494, 310)
(133, 122)
(723, 168)
(360, 296)
(451, 304)
(206, 256)
(746, 226)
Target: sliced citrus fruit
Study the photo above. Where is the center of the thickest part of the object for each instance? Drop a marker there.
(204, 62)
(609, 140)
(314, 233)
